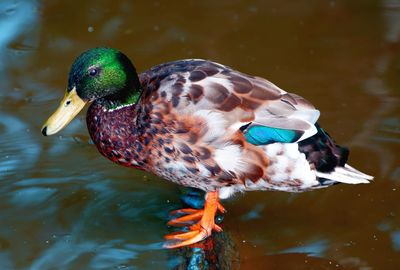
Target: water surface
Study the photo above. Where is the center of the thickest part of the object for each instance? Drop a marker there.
(63, 206)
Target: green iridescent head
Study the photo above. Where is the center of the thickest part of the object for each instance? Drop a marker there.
(104, 73)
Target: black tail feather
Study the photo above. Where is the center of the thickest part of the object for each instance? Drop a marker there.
(322, 152)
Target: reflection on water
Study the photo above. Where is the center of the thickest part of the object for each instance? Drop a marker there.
(14, 151)
(316, 248)
(62, 206)
(19, 34)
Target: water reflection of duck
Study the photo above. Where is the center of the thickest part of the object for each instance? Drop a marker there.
(201, 124)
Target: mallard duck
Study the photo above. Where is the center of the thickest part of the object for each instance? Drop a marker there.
(204, 125)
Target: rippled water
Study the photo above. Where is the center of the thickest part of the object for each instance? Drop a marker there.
(62, 206)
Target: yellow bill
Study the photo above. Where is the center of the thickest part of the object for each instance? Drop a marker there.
(70, 106)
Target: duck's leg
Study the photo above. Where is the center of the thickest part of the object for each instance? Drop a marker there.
(201, 229)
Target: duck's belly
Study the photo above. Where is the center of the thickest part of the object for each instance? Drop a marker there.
(288, 170)
(177, 172)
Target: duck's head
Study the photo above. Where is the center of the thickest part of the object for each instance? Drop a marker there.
(102, 74)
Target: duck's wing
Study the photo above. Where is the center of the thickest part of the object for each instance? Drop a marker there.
(262, 110)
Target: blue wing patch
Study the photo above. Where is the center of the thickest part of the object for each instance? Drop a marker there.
(259, 135)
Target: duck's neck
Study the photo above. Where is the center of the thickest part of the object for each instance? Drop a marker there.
(122, 99)
(126, 96)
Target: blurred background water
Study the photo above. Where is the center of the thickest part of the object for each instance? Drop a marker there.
(62, 206)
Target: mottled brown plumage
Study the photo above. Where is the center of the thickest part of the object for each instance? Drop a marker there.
(163, 134)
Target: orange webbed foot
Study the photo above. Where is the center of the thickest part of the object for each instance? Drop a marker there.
(192, 217)
(199, 231)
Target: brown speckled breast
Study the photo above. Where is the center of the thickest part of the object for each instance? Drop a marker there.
(117, 137)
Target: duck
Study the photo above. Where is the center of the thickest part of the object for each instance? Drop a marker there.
(203, 125)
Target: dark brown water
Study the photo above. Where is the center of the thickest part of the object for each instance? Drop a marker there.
(62, 206)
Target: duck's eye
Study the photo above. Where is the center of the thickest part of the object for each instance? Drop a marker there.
(93, 72)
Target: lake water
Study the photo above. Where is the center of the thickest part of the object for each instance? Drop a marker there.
(63, 206)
